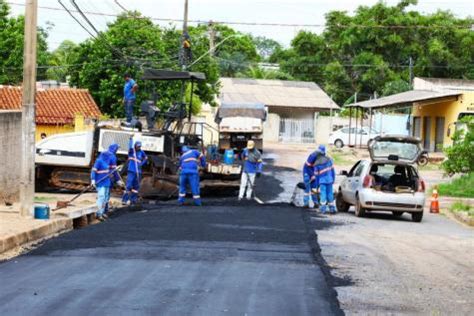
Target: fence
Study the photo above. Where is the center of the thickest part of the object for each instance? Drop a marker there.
(296, 131)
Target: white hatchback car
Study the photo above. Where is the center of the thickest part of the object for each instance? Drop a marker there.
(387, 182)
(359, 135)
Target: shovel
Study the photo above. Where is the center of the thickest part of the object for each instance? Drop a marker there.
(64, 204)
(252, 184)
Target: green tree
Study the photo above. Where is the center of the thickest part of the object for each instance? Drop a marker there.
(461, 154)
(61, 60)
(11, 47)
(256, 72)
(130, 44)
(266, 47)
(373, 48)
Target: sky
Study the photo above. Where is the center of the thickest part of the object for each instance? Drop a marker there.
(263, 11)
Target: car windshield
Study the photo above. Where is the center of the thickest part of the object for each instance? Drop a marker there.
(405, 151)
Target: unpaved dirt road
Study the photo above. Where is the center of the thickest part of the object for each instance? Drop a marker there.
(384, 265)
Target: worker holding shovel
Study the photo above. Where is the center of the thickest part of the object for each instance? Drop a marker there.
(252, 169)
(136, 160)
(111, 157)
(100, 179)
(309, 179)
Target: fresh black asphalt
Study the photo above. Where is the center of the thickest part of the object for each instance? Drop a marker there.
(225, 258)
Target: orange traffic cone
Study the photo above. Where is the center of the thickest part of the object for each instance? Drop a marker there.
(434, 207)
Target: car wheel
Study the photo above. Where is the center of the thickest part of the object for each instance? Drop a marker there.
(417, 217)
(397, 214)
(341, 205)
(338, 143)
(359, 210)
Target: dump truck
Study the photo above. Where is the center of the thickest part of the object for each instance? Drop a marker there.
(239, 123)
(64, 161)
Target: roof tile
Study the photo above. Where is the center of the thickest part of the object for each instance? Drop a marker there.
(53, 106)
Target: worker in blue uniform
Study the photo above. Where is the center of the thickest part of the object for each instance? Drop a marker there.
(100, 179)
(309, 179)
(252, 168)
(111, 157)
(189, 164)
(325, 178)
(136, 160)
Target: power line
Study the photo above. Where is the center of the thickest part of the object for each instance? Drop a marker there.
(268, 24)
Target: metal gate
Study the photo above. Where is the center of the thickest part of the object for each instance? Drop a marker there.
(296, 131)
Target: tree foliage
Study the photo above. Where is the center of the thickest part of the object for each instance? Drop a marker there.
(461, 154)
(61, 60)
(370, 51)
(130, 44)
(11, 47)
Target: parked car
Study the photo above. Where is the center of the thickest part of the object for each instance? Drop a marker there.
(359, 135)
(389, 181)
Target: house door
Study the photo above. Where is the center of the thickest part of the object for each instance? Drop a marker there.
(439, 138)
(296, 131)
(416, 127)
(426, 132)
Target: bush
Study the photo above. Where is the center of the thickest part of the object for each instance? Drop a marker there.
(460, 187)
(461, 154)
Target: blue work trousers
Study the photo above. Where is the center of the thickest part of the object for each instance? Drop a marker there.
(129, 110)
(326, 196)
(310, 190)
(193, 180)
(103, 196)
(132, 187)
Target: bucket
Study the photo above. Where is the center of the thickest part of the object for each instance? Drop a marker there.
(41, 211)
(229, 156)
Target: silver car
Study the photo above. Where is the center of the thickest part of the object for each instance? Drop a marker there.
(389, 181)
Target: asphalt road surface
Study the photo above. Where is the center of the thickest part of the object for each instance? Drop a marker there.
(224, 258)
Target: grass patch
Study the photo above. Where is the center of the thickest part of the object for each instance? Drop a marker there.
(430, 167)
(460, 187)
(342, 158)
(462, 207)
(42, 199)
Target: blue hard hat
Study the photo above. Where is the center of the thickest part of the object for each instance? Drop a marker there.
(322, 149)
(138, 143)
(184, 149)
(113, 148)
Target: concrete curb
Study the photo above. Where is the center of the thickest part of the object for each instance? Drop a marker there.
(48, 229)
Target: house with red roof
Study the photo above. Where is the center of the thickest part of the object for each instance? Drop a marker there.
(57, 110)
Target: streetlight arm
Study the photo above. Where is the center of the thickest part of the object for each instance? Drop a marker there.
(210, 50)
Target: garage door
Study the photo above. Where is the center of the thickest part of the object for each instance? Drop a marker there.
(296, 131)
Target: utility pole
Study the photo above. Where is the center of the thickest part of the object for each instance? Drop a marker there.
(411, 71)
(212, 38)
(185, 35)
(27, 176)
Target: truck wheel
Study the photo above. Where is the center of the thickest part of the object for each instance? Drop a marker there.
(359, 210)
(341, 205)
(417, 217)
(338, 143)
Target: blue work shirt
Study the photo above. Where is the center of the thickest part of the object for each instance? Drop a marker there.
(128, 93)
(308, 167)
(190, 160)
(324, 171)
(136, 159)
(110, 157)
(251, 167)
(100, 172)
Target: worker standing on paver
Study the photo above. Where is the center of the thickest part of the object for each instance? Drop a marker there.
(325, 177)
(136, 160)
(111, 157)
(309, 179)
(129, 96)
(252, 168)
(189, 164)
(100, 180)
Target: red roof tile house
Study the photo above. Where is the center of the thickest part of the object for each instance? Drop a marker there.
(57, 110)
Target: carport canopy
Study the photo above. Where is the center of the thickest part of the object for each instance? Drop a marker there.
(404, 98)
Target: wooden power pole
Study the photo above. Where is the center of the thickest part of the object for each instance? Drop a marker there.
(27, 176)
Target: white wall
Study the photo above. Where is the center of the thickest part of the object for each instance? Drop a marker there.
(10, 149)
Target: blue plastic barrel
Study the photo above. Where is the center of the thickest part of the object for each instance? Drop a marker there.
(42, 211)
(229, 156)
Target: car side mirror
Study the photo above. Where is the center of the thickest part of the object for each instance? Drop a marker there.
(344, 173)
